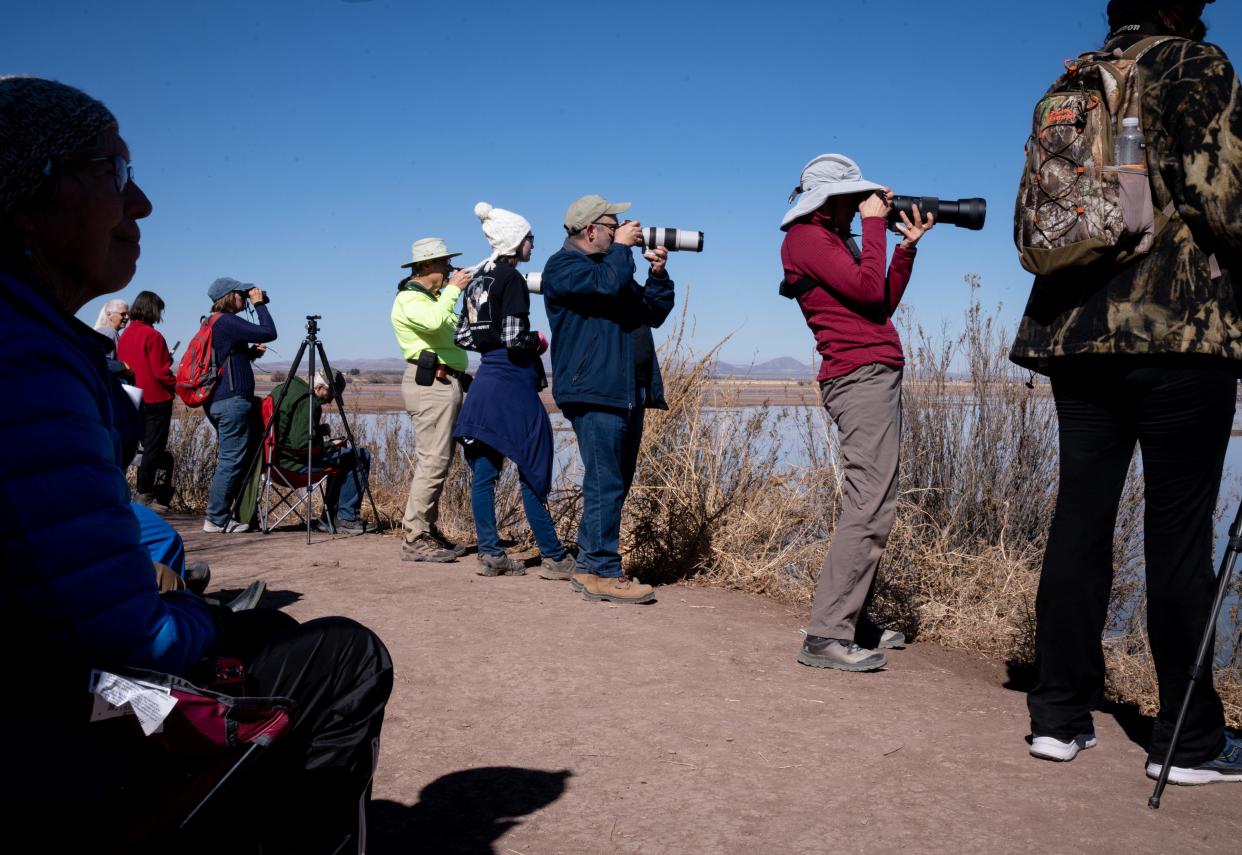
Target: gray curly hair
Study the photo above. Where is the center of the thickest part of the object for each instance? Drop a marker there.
(41, 120)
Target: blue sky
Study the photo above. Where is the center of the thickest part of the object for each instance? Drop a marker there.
(304, 145)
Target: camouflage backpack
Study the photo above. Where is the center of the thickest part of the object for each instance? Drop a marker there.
(1075, 205)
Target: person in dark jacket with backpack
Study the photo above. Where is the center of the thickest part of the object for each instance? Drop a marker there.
(1146, 352)
(78, 587)
(232, 409)
(605, 374)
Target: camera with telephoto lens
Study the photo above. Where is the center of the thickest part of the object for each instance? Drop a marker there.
(534, 283)
(674, 240)
(963, 213)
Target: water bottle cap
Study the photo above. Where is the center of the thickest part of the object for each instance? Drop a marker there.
(1129, 122)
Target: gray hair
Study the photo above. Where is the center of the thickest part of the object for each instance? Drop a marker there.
(41, 120)
(108, 308)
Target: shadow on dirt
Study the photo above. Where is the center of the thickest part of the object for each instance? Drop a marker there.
(463, 813)
(1137, 726)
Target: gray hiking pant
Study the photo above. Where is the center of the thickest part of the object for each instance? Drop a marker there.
(866, 406)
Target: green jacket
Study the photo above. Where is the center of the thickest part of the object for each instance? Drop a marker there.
(1172, 300)
(293, 432)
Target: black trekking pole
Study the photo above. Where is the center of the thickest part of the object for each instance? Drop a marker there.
(1203, 660)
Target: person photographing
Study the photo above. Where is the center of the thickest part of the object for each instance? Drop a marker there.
(424, 320)
(848, 297)
(605, 374)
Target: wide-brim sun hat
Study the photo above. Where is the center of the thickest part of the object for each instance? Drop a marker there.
(427, 249)
(826, 175)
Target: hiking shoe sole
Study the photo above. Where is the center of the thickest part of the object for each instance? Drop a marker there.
(814, 661)
(612, 598)
(1193, 777)
(1051, 748)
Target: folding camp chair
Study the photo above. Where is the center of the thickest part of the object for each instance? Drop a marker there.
(284, 491)
(204, 746)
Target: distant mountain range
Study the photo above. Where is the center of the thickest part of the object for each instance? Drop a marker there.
(781, 368)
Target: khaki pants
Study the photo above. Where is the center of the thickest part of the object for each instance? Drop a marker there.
(866, 406)
(434, 411)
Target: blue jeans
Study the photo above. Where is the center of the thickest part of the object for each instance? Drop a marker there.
(485, 464)
(344, 490)
(608, 441)
(233, 419)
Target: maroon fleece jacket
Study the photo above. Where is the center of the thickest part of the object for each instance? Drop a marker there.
(851, 315)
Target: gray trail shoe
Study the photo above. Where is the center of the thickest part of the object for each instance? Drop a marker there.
(557, 571)
(458, 549)
(499, 565)
(425, 548)
(869, 634)
(197, 576)
(821, 652)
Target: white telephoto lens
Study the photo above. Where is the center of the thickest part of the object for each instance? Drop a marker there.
(534, 283)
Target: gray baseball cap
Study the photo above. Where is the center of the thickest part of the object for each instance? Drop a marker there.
(226, 285)
(588, 209)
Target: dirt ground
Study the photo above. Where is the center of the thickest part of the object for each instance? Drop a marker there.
(527, 720)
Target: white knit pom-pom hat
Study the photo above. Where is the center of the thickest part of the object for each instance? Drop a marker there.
(503, 229)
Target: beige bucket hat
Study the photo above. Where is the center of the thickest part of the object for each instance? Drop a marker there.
(425, 249)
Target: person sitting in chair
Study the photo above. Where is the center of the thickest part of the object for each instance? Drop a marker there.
(298, 410)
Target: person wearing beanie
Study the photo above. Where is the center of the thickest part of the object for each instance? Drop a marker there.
(503, 416)
(78, 589)
(1146, 352)
(605, 375)
(424, 320)
(232, 408)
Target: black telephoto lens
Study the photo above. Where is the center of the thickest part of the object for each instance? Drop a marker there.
(963, 213)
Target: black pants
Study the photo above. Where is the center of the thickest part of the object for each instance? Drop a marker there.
(309, 795)
(1181, 419)
(155, 421)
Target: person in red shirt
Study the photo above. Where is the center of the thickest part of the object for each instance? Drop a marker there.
(848, 301)
(145, 351)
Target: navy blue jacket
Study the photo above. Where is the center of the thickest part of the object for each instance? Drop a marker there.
(596, 311)
(233, 336)
(77, 587)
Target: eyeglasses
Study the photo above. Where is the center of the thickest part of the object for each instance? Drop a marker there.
(122, 169)
(612, 227)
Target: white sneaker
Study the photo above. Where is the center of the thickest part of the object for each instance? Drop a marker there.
(229, 527)
(1051, 748)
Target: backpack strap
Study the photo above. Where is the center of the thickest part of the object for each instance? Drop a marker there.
(1139, 49)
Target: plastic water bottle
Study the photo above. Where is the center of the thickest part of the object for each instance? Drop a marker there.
(1131, 147)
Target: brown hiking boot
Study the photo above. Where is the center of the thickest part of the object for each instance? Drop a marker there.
(616, 589)
(557, 571)
(577, 580)
(425, 548)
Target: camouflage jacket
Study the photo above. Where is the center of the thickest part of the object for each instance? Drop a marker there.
(1172, 300)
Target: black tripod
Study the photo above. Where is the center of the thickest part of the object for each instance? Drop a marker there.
(316, 348)
(1203, 660)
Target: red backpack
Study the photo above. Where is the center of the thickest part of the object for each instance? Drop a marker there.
(198, 374)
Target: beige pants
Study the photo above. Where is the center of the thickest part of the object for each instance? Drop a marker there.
(866, 405)
(434, 411)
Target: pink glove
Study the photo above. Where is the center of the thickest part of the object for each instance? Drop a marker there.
(543, 344)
